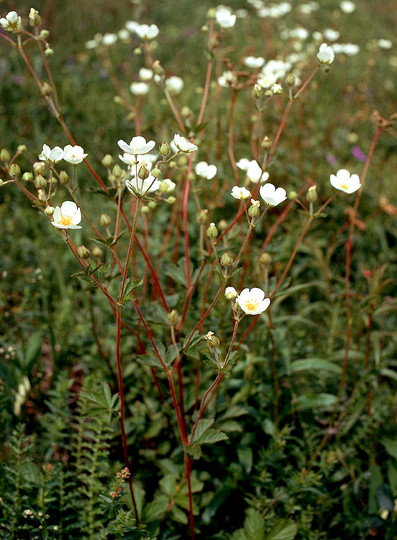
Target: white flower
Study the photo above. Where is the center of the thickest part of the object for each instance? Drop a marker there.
(331, 34)
(124, 35)
(254, 62)
(142, 187)
(183, 144)
(51, 156)
(74, 154)
(12, 22)
(350, 49)
(230, 293)
(205, 171)
(145, 74)
(271, 195)
(167, 186)
(224, 17)
(144, 31)
(133, 160)
(385, 43)
(109, 39)
(68, 216)
(325, 54)
(343, 180)
(347, 6)
(272, 72)
(253, 170)
(131, 26)
(240, 193)
(253, 302)
(139, 88)
(138, 145)
(277, 89)
(227, 79)
(174, 85)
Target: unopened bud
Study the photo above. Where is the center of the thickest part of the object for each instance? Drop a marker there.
(173, 317)
(27, 176)
(257, 91)
(254, 210)
(186, 112)
(34, 17)
(46, 89)
(156, 172)
(222, 224)
(312, 194)
(107, 161)
(49, 210)
(97, 252)
(117, 172)
(4, 155)
(105, 220)
(165, 149)
(40, 182)
(292, 195)
(230, 293)
(266, 143)
(212, 231)
(83, 252)
(265, 259)
(15, 170)
(39, 167)
(226, 260)
(290, 80)
(49, 52)
(171, 199)
(44, 34)
(152, 205)
(202, 216)
(145, 209)
(21, 148)
(1, 183)
(212, 341)
(143, 173)
(157, 68)
(64, 178)
(167, 186)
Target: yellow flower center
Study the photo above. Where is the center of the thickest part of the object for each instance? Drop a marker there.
(251, 305)
(65, 220)
(344, 186)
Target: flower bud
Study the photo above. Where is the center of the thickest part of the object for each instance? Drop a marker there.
(312, 194)
(97, 252)
(171, 199)
(265, 259)
(46, 89)
(107, 161)
(15, 170)
(143, 173)
(212, 341)
(27, 176)
(212, 231)
(186, 112)
(292, 195)
(266, 143)
(44, 34)
(290, 80)
(39, 167)
(41, 195)
(34, 17)
(254, 210)
(156, 172)
(40, 182)
(1, 183)
(105, 220)
(222, 224)
(49, 210)
(64, 178)
(157, 68)
(83, 252)
(257, 91)
(173, 317)
(4, 155)
(117, 172)
(152, 205)
(145, 209)
(226, 260)
(165, 149)
(202, 216)
(49, 52)
(167, 186)
(21, 148)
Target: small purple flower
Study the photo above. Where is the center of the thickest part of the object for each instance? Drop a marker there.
(331, 159)
(358, 154)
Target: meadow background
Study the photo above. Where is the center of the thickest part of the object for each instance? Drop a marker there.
(312, 438)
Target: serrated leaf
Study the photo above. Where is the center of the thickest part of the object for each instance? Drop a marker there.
(284, 529)
(129, 289)
(245, 457)
(254, 526)
(179, 515)
(211, 436)
(193, 451)
(168, 485)
(156, 509)
(234, 412)
(88, 271)
(202, 426)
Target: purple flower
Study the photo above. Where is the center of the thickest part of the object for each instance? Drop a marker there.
(358, 154)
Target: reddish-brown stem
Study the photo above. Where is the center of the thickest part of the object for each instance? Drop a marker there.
(230, 146)
(186, 221)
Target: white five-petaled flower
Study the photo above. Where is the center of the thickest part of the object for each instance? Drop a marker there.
(183, 144)
(51, 156)
(325, 54)
(137, 186)
(344, 181)
(253, 301)
(205, 171)
(227, 79)
(144, 31)
(347, 7)
(252, 170)
(139, 88)
(137, 146)
(254, 62)
(224, 17)
(12, 22)
(174, 85)
(74, 154)
(240, 193)
(271, 195)
(133, 160)
(230, 293)
(67, 216)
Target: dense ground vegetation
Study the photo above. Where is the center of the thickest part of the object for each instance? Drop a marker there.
(139, 397)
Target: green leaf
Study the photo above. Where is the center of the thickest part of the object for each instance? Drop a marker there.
(323, 401)
(315, 364)
(88, 271)
(386, 372)
(375, 482)
(245, 457)
(202, 426)
(129, 290)
(156, 509)
(30, 473)
(254, 526)
(390, 447)
(234, 412)
(284, 529)
(211, 436)
(32, 351)
(168, 485)
(179, 515)
(193, 451)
